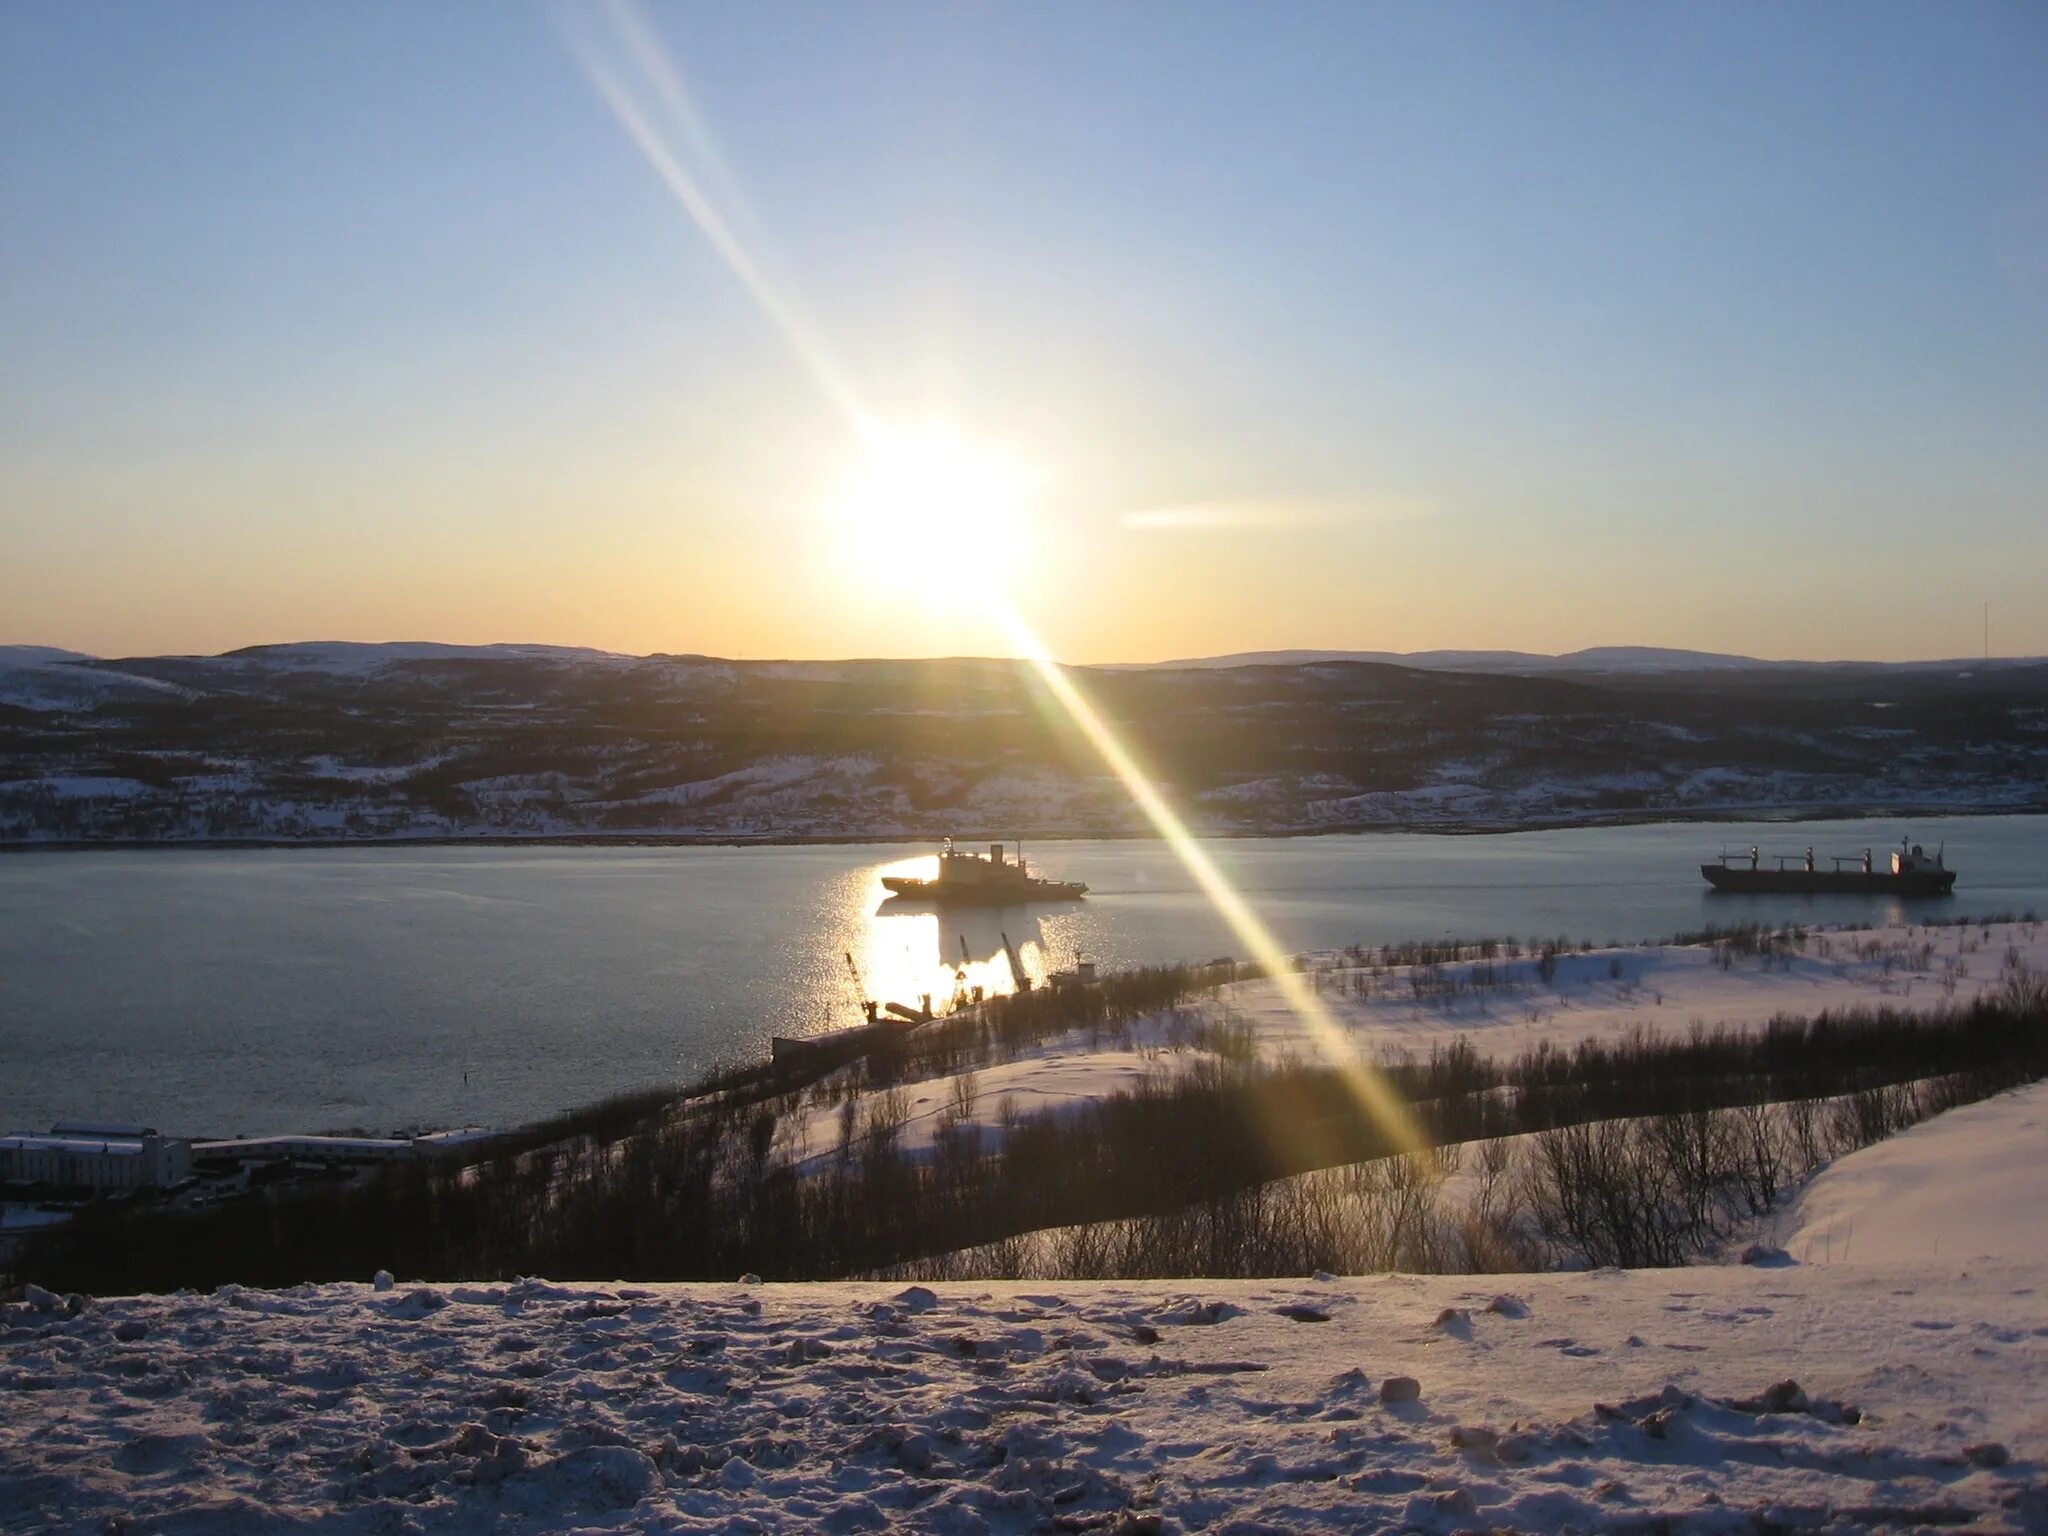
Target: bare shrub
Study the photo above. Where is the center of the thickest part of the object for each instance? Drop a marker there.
(1762, 1154)
(1805, 1134)
(887, 1113)
(966, 1093)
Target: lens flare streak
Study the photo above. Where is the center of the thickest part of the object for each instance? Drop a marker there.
(634, 102)
(1367, 1088)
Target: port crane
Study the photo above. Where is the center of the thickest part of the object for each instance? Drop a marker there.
(860, 988)
(1018, 974)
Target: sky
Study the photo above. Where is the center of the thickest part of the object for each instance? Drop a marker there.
(1388, 326)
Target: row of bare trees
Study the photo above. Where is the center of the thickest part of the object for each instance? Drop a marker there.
(1649, 1191)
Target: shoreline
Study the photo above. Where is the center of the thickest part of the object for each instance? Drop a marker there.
(1726, 815)
(754, 1073)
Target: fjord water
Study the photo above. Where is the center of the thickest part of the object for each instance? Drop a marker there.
(246, 991)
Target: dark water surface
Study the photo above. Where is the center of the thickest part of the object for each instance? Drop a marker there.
(217, 991)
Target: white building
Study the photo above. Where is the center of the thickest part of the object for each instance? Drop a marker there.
(246, 1150)
(306, 1149)
(79, 1155)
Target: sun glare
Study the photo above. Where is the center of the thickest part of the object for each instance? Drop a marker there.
(941, 526)
(931, 510)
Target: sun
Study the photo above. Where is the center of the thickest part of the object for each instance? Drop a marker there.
(930, 511)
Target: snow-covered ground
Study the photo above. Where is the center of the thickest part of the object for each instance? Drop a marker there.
(1499, 1007)
(1596, 1401)
(1660, 988)
(1958, 1187)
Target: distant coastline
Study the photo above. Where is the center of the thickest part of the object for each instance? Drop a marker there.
(256, 752)
(1725, 816)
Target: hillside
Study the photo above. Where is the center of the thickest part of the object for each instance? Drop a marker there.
(1880, 1369)
(328, 741)
(1601, 660)
(1898, 1392)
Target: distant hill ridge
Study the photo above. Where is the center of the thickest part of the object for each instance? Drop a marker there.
(333, 741)
(366, 657)
(1596, 659)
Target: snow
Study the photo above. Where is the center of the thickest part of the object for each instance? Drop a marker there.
(1960, 1186)
(37, 655)
(1661, 988)
(1048, 1080)
(1016, 1407)
(347, 657)
(769, 773)
(1407, 1010)
(1910, 1315)
(60, 681)
(16, 1217)
(80, 786)
(1646, 660)
(327, 766)
(800, 671)
(637, 787)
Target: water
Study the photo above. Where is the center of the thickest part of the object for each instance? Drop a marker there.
(224, 992)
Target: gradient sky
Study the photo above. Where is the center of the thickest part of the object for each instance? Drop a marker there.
(1362, 326)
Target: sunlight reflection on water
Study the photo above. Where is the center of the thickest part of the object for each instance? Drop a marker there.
(909, 951)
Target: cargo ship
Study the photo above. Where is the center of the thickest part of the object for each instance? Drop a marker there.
(1913, 872)
(994, 880)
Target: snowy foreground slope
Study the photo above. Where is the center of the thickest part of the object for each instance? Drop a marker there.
(1596, 1401)
(1965, 1184)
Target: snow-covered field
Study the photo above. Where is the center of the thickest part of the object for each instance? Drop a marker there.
(1499, 1007)
(1592, 1401)
(1607, 993)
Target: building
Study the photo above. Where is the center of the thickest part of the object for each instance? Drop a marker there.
(335, 1150)
(242, 1150)
(89, 1155)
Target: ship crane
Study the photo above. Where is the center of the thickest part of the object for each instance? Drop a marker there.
(860, 988)
(974, 993)
(1018, 974)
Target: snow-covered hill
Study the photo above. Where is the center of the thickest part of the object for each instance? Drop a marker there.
(1595, 660)
(37, 655)
(409, 740)
(1962, 1186)
(347, 657)
(45, 678)
(1899, 1392)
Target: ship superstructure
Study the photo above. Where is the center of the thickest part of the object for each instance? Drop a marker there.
(992, 879)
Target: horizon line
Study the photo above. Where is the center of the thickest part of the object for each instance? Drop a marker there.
(1269, 656)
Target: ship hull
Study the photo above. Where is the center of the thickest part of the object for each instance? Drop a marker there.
(960, 894)
(1828, 882)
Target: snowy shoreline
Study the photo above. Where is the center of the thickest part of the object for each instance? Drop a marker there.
(1498, 1004)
